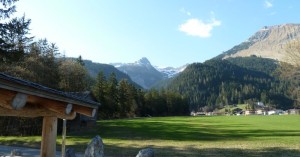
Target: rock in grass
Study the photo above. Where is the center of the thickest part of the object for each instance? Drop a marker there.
(16, 152)
(95, 148)
(70, 152)
(148, 152)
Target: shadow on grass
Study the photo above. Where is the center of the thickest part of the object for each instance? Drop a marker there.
(161, 130)
(21, 143)
(115, 151)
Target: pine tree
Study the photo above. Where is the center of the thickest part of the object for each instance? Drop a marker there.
(112, 96)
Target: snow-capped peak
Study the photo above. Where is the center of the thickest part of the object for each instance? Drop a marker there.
(170, 71)
(143, 61)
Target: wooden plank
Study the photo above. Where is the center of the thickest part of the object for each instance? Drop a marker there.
(62, 109)
(6, 98)
(48, 144)
(12, 100)
(34, 111)
(84, 110)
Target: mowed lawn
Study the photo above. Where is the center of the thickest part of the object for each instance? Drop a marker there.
(190, 136)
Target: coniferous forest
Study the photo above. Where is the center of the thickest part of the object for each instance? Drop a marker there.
(213, 84)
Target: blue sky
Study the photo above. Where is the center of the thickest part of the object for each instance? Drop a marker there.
(167, 32)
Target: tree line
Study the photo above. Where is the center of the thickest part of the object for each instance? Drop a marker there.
(120, 99)
(217, 83)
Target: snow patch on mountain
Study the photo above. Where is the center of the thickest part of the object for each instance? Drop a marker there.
(170, 72)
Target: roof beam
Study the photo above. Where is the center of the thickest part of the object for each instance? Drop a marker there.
(91, 112)
(35, 111)
(6, 98)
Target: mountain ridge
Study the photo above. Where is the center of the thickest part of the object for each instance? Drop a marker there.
(268, 42)
(145, 74)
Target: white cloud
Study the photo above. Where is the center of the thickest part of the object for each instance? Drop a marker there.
(196, 27)
(268, 4)
(184, 11)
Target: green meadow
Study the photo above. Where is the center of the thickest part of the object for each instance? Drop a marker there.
(189, 136)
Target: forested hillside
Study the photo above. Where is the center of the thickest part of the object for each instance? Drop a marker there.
(265, 65)
(217, 83)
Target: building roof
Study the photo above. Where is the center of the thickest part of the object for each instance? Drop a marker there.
(27, 87)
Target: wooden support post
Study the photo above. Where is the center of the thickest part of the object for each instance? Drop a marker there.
(48, 144)
(63, 143)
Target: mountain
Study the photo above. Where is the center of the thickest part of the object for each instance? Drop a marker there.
(246, 73)
(170, 72)
(95, 68)
(141, 72)
(268, 42)
(216, 83)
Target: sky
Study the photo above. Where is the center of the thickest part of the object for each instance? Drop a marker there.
(167, 32)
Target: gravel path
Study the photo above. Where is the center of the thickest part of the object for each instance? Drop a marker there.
(26, 152)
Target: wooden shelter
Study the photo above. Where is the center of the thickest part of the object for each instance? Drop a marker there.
(22, 98)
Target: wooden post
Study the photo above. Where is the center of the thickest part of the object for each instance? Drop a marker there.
(48, 144)
(63, 143)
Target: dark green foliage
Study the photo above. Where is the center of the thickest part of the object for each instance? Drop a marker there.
(106, 69)
(216, 83)
(122, 99)
(291, 76)
(18, 126)
(265, 65)
(14, 40)
(164, 103)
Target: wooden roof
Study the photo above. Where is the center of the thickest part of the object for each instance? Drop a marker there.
(41, 100)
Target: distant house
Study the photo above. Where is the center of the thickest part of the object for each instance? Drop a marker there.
(294, 111)
(193, 113)
(260, 104)
(250, 112)
(275, 112)
(209, 113)
(197, 113)
(261, 112)
(218, 113)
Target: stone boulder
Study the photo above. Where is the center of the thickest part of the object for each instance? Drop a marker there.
(95, 148)
(16, 152)
(148, 152)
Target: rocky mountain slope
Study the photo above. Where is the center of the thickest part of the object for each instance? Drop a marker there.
(170, 72)
(268, 42)
(141, 72)
(145, 74)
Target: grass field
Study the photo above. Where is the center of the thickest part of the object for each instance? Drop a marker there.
(190, 136)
